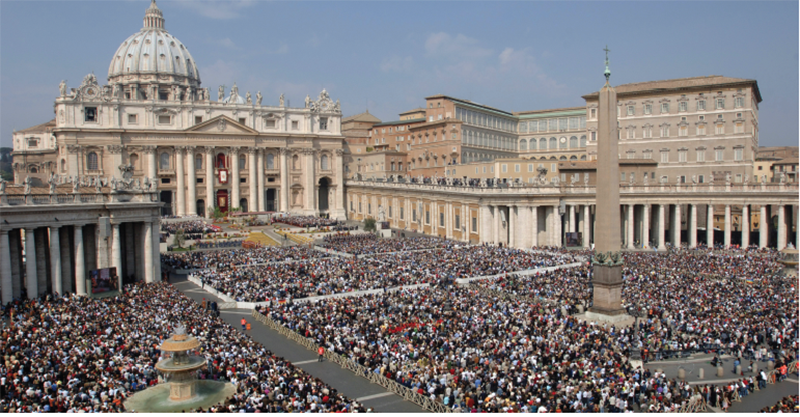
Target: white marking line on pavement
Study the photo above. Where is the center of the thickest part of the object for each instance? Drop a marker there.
(372, 397)
(304, 362)
(793, 380)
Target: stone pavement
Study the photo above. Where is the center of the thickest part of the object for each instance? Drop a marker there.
(346, 382)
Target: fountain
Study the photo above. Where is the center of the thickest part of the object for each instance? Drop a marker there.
(183, 391)
(789, 259)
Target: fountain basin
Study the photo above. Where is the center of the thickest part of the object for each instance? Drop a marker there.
(157, 399)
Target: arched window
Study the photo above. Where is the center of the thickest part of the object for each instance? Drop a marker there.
(242, 162)
(542, 143)
(164, 162)
(134, 161)
(553, 143)
(583, 141)
(583, 157)
(323, 163)
(563, 158)
(221, 160)
(63, 165)
(270, 161)
(573, 158)
(91, 161)
(33, 170)
(295, 162)
(523, 145)
(573, 142)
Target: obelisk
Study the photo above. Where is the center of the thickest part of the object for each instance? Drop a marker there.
(607, 261)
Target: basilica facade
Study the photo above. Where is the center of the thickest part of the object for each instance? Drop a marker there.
(155, 119)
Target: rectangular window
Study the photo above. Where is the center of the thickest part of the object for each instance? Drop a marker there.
(594, 113)
(90, 114)
(562, 123)
(738, 177)
(441, 219)
(243, 120)
(552, 167)
(664, 131)
(648, 109)
(594, 136)
(630, 133)
(719, 129)
(683, 106)
(701, 130)
(647, 155)
(165, 119)
(664, 107)
(552, 124)
(622, 176)
(390, 212)
(631, 110)
(516, 168)
(530, 167)
(270, 124)
(474, 224)
(631, 155)
(664, 156)
(457, 226)
(573, 122)
(739, 102)
(132, 118)
(369, 208)
(738, 128)
(323, 123)
(720, 154)
(504, 168)
(701, 156)
(738, 154)
(198, 120)
(402, 214)
(720, 103)
(351, 206)
(701, 105)
(682, 156)
(683, 131)
(427, 217)
(413, 216)
(647, 132)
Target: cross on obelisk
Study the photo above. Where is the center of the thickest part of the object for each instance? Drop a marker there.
(607, 261)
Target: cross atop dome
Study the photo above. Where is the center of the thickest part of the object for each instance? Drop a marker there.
(153, 18)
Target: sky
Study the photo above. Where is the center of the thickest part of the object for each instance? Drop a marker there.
(388, 56)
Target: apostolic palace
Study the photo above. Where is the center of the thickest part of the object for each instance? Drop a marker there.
(91, 184)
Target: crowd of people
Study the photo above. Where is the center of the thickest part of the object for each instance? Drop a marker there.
(790, 404)
(338, 275)
(223, 259)
(192, 229)
(219, 244)
(79, 354)
(305, 221)
(367, 243)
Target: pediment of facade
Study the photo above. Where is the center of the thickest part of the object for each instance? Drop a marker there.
(222, 125)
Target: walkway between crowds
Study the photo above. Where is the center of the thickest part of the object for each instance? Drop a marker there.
(371, 395)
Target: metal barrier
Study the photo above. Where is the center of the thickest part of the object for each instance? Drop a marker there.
(355, 368)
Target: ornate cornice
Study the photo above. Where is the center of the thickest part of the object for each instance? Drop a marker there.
(115, 149)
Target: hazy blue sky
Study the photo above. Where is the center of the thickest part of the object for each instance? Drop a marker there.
(389, 55)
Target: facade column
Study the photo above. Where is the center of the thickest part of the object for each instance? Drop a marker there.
(236, 195)
(781, 226)
(573, 225)
(661, 215)
(535, 224)
(448, 219)
(512, 224)
(631, 227)
(211, 199)
(340, 212)
(587, 226)
(116, 251)
(692, 225)
(6, 286)
(15, 243)
(80, 266)
(556, 227)
(285, 180)
(311, 186)
(497, 225)
(152, 168)
(156, 251)
(745, 226)
(646, 226)
(762, 227)
(30, 264)
(260, 177)
(710, 226)
(148, 252)
(191, 189)
(252, 204)
(676, 232)
(180, 187)
(66, 263)
(55, 260)
(728, 226)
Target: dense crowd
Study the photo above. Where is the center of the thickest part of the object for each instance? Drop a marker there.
(193, 227)
(305, 221)
(367, 243)
(569, 286)
(87, 355)
(474, 352)
(338, 275)
(790, 404)
(223, 259)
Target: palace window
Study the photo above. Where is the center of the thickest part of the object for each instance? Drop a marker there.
(631, 110)
(270, 161)
(323, 163)
(701, 105)
(739, 102)
(720, 103)
(323, 123)
(91, 161)
(719, 129)
(198, 162)
(90, 114)
(198, 120)
(164, 119)
(701, 130)
(665, 156)
(132, 118)
(701, 155)
(664, 107)
(164, 161)
(648, 109)
(683, 106)
(683, 131)
(682, 155)
(738, 128)
(242, 162)
(738, 154)
(720, 155)
(664, 131)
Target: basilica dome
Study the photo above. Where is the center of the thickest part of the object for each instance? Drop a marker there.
(152, 55)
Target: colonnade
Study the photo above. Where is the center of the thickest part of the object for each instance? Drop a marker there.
(58, 258)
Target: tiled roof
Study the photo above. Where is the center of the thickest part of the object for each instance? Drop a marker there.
(680, 83)
(362, 117)
(44, 127)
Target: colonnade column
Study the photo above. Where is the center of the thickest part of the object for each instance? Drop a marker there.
(252, 204)
(572, 226)
(631, 227)
(116, 249)
(676, 232)
(762, 227)
(710, 226)
(781, 226)
(310, 184)
(5, 268)
(152, 168)
(210, 197)
(728, 227)
(180, 179)
(191, 190)
(535, 223)
(260, 179)
(156, 251)
(30, 263)
(646, 226)
(448, 230)
(236, 195)
(557, 227)
(692, 225)
(15, 246)
(339, 169)
(148, 252)
(661, 215)
(512, 224)
(55, 261)
(285, 180)
(587, 226)
(745, 226)
(496, 228)
(80, 268)
(66, 263)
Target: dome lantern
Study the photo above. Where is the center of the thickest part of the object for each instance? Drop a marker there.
(153, 18)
